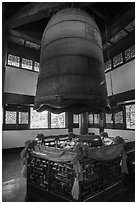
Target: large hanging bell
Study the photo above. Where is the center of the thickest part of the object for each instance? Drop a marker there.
(71, 76)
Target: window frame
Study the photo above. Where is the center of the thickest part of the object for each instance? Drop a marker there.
(49, 123)
(94, 125)
(41, 128)
(57, 127)
(133, 57)
(13, 65)
(89, 124)
(20, 63)
(106, 69)
(10, 126)
(119, 126)
(133, 103)
(24, 125)
(121, 64)
(17, 109)
(75, 125)
(114, 125)
(18, 126)
(109, 125)
(32, 66)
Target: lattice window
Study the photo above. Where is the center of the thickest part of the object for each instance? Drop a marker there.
(130, 53)
(108, 65)
(23, 117)
(38, 120)
(26, 63)
(75, 118)
(16, 117)
(119, 117)
(36, 66)
(109, 118)
(130, 116)
(13, 60)
(96, 118)
(90, 119)
(58, 120)
(11, 117)
(117, 60)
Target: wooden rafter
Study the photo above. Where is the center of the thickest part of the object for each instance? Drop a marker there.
(118, 24)
(25, 35)
(122, 45)
(36, 11)
(32, 12)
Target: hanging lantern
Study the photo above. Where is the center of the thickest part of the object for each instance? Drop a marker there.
(71, 76)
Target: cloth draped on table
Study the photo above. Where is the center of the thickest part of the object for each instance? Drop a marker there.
(58, 155)
(100, 154)
(79, 177)
(52, 154)
(123, 163)
(24, 156)
(29, 144)
(75, 190)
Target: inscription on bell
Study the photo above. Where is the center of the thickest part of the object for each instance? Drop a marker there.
(93, 34)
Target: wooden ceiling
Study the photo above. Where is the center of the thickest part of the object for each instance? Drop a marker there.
(27, 21)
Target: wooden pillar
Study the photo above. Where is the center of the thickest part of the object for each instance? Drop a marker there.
(4, 52)
(69, 121)
(83, 123)
(101, 122)
(49, 119)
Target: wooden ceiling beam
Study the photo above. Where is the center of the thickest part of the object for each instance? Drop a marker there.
(121, 46)
(37, 11)
(37, 35)
(25, 36)
(118, 24)
(33, 12)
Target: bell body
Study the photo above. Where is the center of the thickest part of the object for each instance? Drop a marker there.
(71, 76)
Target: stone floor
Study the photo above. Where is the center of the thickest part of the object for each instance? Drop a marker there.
(14, 185)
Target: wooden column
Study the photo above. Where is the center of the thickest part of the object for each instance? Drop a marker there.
(101, 122)
(69, 121)
(4, 52)
(83, 123)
